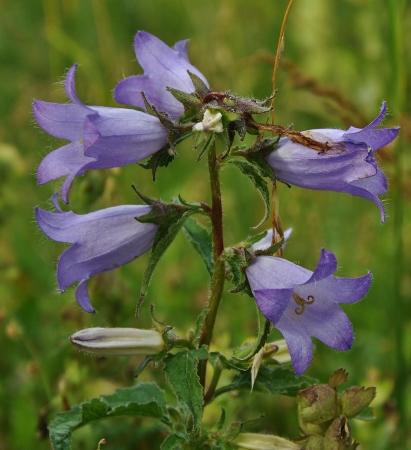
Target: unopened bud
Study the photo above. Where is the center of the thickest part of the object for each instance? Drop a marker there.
(312, 442)
(256, 441)
(355, 399)
(338, 435)
(317, 404)
(281, 353)
(211, 122)
(118, 341)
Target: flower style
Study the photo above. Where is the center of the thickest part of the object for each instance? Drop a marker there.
(100, 137)
(102, 241)
(349, 167)
(163, 67)
(301, 303)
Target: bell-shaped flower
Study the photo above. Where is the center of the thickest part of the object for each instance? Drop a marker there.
(101, 241)
(118, 341)
(349, 166)
(100, 137)
(163, 67)
(301, 303)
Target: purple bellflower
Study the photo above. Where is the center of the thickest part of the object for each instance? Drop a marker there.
(101, 241)
(163, 67)
(301, 303)
(349, 167)
(100, 137)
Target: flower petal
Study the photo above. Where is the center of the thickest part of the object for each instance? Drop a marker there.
(375, 139)
(328, 323)
(63, 161)
(267, 272)
(63, 121)
(273, 302)
(326, 266)
(102, 241)
(133, 135)
(339, 289)
(163, 67)
(298, 342)
(70, 88)
(82, 297)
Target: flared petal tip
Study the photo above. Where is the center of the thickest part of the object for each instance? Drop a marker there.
(83, 298)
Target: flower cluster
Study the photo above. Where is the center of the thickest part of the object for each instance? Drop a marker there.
(173, 95)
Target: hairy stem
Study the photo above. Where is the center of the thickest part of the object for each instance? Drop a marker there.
(217, 285)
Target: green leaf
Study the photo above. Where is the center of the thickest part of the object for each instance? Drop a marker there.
(248, 351)
(181, 374)
(202, 241)
(257, 178)
(273, 380)
(144, 400)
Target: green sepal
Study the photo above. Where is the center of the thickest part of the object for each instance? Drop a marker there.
(176, 131)
(228, 363)
(355, 400)
(169, 218)
(188, 100)
(257, 178)
(236, 264)
(162, 158)
(199, 325)
(200, 87)
(273, 380)
(181, 373)
(269, 251)
(367, 415)
(208, 143)
(143, 364)
(190, 115)
(246, 352)
(201, 239)
(143, 400)
(258, 152)
(219, 425)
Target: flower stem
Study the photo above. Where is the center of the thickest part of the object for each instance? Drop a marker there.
(217, 285)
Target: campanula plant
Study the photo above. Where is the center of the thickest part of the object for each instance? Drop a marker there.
(175, 102)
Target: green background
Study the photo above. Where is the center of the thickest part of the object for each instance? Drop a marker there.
(341, 59)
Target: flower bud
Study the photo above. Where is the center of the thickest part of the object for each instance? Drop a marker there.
(282, 354)
(256, 441)
(311, 442)
(317, 404)
(355, 399)
(338, 435)
(118, 341)
(211, 122)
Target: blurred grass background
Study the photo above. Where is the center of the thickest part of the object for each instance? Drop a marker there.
(341, 59)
